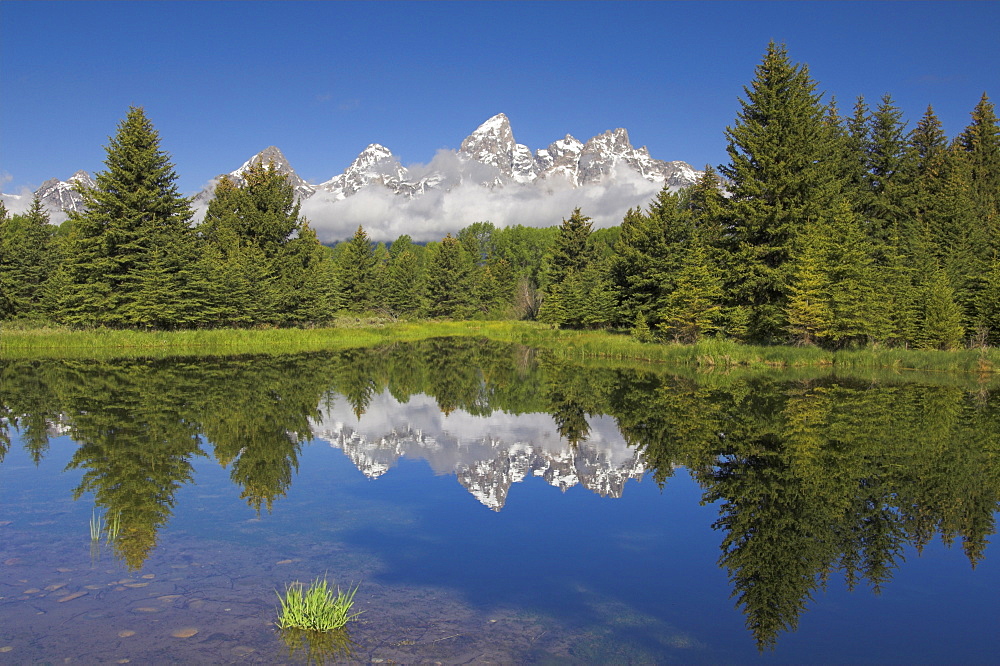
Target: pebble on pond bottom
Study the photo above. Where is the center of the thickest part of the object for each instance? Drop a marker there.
(187, 632)
(126, 633)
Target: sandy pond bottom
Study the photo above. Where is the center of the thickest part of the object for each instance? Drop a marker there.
(206, 593)
(204, 608)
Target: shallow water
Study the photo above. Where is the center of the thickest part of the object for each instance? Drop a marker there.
(492, 510)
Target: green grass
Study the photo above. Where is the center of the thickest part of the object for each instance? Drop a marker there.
(114, 528)
(95, 527)
(316, 608)
(354, 332)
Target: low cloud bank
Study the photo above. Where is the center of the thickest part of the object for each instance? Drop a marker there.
(385, 216)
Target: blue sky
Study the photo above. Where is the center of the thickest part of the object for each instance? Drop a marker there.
(222, 81)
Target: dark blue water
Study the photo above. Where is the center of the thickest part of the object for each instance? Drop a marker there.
(629, 578)
(480, 535)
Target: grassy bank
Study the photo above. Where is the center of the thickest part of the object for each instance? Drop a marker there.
(354, 333)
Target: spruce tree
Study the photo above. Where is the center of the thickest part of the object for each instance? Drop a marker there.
(133, 219)
(808, 311)
(980, 142)
(260, 221)
(449, 275)
(571, 251)
(28, 258)
(941, 326)
(693, 308)
(356, 272)
(855, 142)
(886, 153)
(781, 175)
(648, 254)
(404, 283)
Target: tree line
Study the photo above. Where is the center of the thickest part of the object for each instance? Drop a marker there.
(823, 228)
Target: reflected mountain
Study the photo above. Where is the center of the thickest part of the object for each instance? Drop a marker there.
(487, 453)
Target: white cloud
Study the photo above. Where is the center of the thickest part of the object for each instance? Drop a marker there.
(385, 216)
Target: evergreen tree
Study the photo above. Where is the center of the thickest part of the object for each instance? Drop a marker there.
(27, 260)
(706, 204)
(648, 254)
(570, 252)
(781, 175)
(857, 300)
(449, 275)
(259, 221)
(808, 311)
(980, 143)
(356, 272)
(404, 283)
(885, 161)
(692, 309)
(312, 288)
(855, 143)
(941, 326)
(134, 220)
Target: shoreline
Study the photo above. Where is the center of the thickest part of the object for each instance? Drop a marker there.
(569, 344)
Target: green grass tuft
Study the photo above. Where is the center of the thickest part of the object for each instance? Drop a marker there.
(316, 608)
(95, 527)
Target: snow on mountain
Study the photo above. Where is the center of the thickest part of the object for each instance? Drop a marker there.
(376, 165)
(58, 197)
(561, 158)
(493, 144)
(268, 156)
(489, 156)
(490, 176)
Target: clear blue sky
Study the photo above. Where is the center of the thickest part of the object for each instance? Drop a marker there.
(223, 80)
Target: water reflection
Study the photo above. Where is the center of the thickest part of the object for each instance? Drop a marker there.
(813, 477)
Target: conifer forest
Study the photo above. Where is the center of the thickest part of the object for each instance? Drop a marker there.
(829, 226)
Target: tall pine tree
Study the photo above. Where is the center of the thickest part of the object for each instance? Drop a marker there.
(782, 173)
(132, 255)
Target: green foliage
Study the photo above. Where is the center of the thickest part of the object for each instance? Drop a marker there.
(29, 256)
(131, 253)
(780, 178)
(693, 308)
(941, 326)
(571, 251)
(647, 256)
(356, 272)
(640, 329)
(316, 608)
(449, 280)
(263, 261)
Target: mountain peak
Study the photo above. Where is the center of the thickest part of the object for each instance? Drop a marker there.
(499, 123)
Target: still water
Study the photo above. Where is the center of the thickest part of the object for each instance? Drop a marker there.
(494, 504)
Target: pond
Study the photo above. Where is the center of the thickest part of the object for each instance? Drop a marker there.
(495, 504)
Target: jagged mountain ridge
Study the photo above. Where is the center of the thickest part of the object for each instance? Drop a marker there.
(490, 157)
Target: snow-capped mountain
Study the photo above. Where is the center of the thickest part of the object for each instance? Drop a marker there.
(58, 197)
(491, 157)
(62, 195)
(489, 161)
(270, 155)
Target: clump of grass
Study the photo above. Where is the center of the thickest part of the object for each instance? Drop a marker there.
(95, 527)
(316, 608)
(114, 528)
